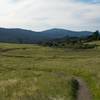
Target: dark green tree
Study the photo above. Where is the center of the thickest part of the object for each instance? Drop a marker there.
(96, 35)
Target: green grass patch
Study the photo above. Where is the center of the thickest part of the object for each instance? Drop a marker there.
(31, 72)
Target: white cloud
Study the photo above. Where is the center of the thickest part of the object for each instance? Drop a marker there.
(43, 14)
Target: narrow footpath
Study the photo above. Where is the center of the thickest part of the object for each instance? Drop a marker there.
(83, 92)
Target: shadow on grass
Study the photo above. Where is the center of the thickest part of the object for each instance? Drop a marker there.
(74, 87)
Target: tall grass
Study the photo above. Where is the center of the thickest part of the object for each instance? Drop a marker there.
(31, 72)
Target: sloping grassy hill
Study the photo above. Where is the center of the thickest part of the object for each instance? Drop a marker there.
(31, 72)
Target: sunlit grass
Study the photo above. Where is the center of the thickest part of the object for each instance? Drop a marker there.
(31, 72)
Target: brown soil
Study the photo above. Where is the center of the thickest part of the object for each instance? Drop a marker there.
(83, 93)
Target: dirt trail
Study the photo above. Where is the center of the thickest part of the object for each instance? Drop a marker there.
(83, 93)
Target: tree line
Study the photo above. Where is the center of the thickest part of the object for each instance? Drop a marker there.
(74, 42)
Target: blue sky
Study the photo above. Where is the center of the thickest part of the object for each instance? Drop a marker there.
(88, 0)
(45, 14)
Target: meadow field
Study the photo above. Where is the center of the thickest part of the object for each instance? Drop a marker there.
(32, 72)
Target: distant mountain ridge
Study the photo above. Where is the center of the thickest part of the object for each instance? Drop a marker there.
(26, 36)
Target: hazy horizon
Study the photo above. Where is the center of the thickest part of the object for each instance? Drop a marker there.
(39, 15)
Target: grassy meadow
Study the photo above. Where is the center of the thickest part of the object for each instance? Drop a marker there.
(32, 72)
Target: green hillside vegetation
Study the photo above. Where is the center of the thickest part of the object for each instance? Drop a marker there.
(74, 42)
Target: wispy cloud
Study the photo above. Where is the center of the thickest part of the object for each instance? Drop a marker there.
(43, 14)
